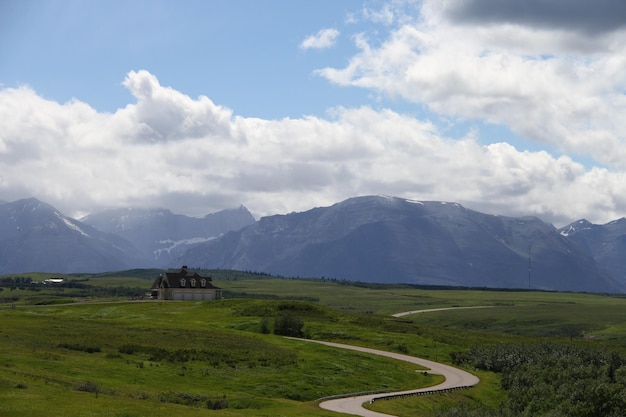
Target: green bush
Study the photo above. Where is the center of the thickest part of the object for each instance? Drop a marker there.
(557, 380)
(217, 404)
(88, 386)
(265, 326)
(194, 400)
(287, 324)
(80, 347)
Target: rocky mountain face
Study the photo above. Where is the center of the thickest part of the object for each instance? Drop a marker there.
(605, 243)
(162, 236)
(386, 239)
(372, 239)
(35, 237)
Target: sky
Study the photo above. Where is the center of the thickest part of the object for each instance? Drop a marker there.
(509, 108)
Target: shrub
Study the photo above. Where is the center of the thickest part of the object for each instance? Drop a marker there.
(217, 404)
(265, 326)
(79, 347)
(88, 386)
(193, 400)
(129, 349)
(556, 380)
(402, 348)
(113, 356)
(287, 324)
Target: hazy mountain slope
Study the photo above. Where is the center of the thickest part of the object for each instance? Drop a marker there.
(382, 239)
(34, 236)
(376, 239)
(163, 236)
(605, 243)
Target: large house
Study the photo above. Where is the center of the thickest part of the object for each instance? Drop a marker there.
(184, 286)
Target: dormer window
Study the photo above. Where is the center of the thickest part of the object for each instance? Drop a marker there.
(183, 282)
(203, 282)
(193, 282)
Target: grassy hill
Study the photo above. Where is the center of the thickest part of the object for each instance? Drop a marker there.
(84, 351)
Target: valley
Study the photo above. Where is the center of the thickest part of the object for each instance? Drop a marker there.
(86, 352)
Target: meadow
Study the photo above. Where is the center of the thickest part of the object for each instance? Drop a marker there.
(87, 350)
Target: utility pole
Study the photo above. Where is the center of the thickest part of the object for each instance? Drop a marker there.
(529, 264)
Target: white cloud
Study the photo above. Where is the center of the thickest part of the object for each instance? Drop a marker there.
(195, 157)
(560, 87)
(323, 39)
(163, 113)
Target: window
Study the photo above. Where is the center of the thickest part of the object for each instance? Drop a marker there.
(183, 282)
(193, 282)
(203, 282)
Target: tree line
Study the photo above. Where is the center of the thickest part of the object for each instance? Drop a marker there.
(550, 379)
(76, 287)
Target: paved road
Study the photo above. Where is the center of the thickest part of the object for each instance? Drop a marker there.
(407, 313)
(353, 405)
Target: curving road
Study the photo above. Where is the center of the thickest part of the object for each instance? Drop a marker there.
(454, 377)
(432, 310)
(354, 405)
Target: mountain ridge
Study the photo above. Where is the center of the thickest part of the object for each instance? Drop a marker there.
(369, 238)
(606, 243)
(161, 235)
(379, 238)
(35, 234)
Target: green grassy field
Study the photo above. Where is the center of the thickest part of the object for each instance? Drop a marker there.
(177, 356)
(108, 356)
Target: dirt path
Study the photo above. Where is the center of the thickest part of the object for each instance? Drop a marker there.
(354, 405)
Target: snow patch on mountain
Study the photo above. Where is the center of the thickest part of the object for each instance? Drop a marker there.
(75, 227)
(175, 244)
(414, 202)
(576, 227)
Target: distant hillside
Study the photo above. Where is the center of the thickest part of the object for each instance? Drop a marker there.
(34, 237)
(605, 243)
(385, 239)
(372, 239)
(162, 236)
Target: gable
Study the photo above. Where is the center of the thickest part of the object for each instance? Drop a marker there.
(185, 279)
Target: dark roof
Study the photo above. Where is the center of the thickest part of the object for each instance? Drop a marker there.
(184, 279)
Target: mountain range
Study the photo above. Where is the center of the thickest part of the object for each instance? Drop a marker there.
(371, 238)
(387, 239)
(34, 236)
(606, 243)
(162, 236)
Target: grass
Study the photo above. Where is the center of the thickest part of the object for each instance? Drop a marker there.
(111, 357)
(488, 394)
(177, 354)
(389, 299)
(587, 319)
